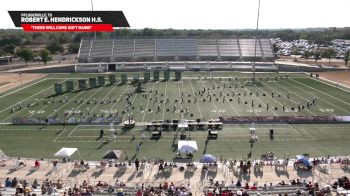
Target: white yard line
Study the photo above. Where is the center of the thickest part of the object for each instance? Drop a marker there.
(54, 140)
(75, 128)
(22, 88)
(319, 97)
(119, 97)
(103, 99)
(317, 105)
(212, 101)
(178, 87)
(26, 98)
(330, 81)
(166, 85)
(131, 104)
(25, 108)
(71, 99)
(298, 96)
(194, 94)
(273, 111)
(145, 109)
(323, 92)
(274, 98)
(88, 98)
(233, 108)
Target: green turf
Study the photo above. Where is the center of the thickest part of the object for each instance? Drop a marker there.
(315, 139)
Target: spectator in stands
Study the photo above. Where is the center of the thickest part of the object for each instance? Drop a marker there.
(238, 184)
(50, 189)
(19, 162)
(43, 189)
(253, 187)
(14, 183)
(36, 164)
(137, 164)
(139, 193)
(19, 189)
(35, 184)
(8, 182)
(247, 187)
(120, 192)
(27, 190)
(117, 183)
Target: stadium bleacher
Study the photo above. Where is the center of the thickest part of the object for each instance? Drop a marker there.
(120, 50)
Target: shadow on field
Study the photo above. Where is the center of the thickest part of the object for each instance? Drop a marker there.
(97, 174)
(74, 173)
(32, 171)
(102, 144)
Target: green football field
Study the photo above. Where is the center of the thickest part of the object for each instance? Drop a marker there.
(198, 95)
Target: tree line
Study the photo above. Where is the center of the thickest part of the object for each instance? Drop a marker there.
(14, 41)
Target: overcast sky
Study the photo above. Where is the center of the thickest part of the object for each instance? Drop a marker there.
(203, 14)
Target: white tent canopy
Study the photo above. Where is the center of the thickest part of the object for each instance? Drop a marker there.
(187, 146)
(65, 152)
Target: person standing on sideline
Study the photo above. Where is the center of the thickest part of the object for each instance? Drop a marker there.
(143, 136)
(138, 148)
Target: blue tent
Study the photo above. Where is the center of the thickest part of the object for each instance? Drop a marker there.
(304, 160)
(207, 158)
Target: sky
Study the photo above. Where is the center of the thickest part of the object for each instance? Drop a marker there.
(203, 14)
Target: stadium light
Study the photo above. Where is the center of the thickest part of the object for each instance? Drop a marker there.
(92, 9)
(256, 41)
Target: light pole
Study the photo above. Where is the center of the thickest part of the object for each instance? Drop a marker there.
(92, 9)
(256, 41)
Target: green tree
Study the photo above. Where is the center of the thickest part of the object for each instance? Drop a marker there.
(9, 48)
(307, 54)
(73, 47)
(295, 52)
(347, 57)
(317, 54)
(26, 54)
(329, 53)
(45, 55)
(55, 47)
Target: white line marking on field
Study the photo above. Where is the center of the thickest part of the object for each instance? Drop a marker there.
(88, 98)
(70, 133)
(323, 92)
(54, 140)
(21, 102)
(194, 95)
(145, 109)
(166, 85)
(320, 97)
(303, 98)
(276, 99)
(23, 87)
(330, 81)
(102, 99)
(25, 99)
(131, 104)
(71, 99)
(119, 97)
(234, 109)
(212, 101)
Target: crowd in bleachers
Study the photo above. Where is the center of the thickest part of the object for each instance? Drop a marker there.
(48, 187)
(294, 187)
